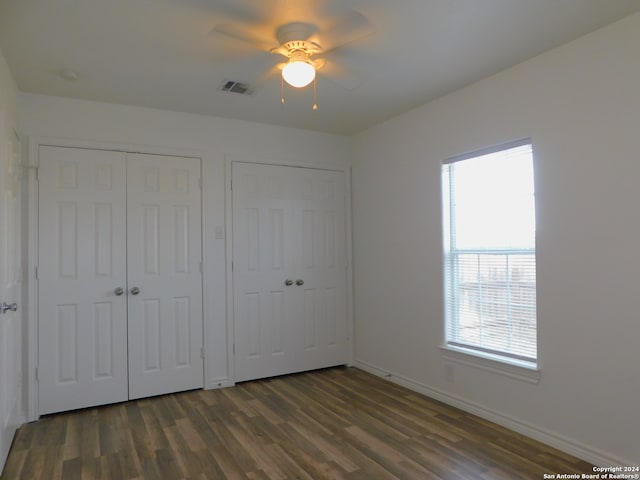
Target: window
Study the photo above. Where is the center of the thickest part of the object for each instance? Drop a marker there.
(489, 253)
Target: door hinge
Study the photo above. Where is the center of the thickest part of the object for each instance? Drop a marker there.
(234, 348)
(201, 352)
(201, 268)
(37, 277)
(200, 183)
(37, 374)
(37, 174)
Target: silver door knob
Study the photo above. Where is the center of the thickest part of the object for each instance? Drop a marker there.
(5, 307)
(118, 291)
(135, 291)
(299, 282)
(288, 282)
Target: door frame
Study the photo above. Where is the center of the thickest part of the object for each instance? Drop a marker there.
(230, 159)
(34, 144)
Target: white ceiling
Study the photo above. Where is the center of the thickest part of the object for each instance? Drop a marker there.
(162, 54)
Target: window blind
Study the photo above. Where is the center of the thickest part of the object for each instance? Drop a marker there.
(489, 252)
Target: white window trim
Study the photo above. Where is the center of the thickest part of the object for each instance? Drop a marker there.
(512, 368)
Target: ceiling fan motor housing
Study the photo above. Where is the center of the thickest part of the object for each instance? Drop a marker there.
(296, 31)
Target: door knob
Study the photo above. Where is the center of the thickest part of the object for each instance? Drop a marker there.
(135, 291)
(8, 306)
(299, 282)
(118, 291)
(288, 282)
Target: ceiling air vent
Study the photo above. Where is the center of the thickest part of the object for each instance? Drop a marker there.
(235, 87)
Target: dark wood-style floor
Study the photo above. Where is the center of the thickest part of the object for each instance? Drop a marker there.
(337, 423)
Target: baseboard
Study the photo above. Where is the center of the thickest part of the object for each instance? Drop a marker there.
(554, 440)
(214, 383)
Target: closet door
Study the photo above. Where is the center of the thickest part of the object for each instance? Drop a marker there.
(164, 256)
(320, 268)
(82, 325)
(263, 253)
(289, 270)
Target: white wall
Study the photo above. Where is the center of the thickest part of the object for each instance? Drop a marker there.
(215, 138)
(8, 93)
(580, 104)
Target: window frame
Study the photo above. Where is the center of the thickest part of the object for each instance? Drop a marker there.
(512, 366)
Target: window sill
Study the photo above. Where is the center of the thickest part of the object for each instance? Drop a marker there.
(492, 363)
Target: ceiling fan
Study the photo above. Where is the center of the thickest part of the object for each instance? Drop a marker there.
(307, 49)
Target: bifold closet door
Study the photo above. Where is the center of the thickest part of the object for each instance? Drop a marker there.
(119, 280)
(164, 253)
(82, 326)
(289, 270)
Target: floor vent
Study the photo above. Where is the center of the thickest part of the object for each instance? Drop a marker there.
(235, 87)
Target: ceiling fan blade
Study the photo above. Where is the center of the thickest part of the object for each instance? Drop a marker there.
(340, 74)
(230, 10)
(267, 76)
(348, 28)
(318, 63)
(244, 34)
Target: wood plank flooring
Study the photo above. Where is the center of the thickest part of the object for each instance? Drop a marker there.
(339, 423)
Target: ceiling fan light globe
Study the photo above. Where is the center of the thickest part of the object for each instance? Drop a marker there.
(298, 74)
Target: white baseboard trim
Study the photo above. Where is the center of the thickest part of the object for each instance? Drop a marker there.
(554, 440)
(214, 383)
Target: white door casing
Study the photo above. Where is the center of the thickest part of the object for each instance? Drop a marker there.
(10, 288)
(110, 220)
(288, 224)
(82, 328)
(164, 253)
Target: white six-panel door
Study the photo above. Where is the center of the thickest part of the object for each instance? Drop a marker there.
(109, 223)
(163, 258)
(264, 333)
(288, 226)
(10, 287)
(82, 325)
(319, 222)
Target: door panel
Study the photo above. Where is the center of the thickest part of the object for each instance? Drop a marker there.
(262, 245)
(10, 288)
(82, 329)
(288, 224)
(164, 251)
(319, 214)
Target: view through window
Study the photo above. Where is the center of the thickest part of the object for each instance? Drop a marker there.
(489, 251)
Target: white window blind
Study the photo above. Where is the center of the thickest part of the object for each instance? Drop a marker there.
(489, 252)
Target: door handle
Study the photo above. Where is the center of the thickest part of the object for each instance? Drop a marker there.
(118, 291)
(5, 307)
(288, 282)
(135, 291)
(299, 282)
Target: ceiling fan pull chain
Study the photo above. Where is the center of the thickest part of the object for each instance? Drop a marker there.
(282, 89)
(315, 93)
